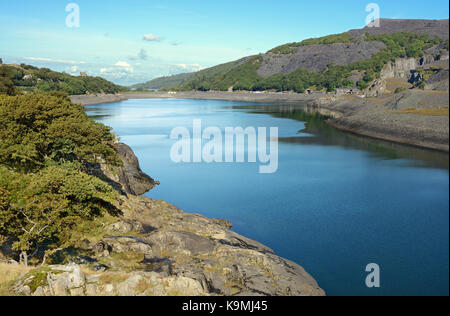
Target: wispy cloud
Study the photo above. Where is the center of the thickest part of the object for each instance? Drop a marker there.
(59, 61)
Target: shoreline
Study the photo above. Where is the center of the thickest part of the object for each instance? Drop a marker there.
(286, 98)
(155, 249)
(364, 117)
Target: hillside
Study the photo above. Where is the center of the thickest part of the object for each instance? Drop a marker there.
(16, 78)
(162, 82)
(351, 59)
(180, 79)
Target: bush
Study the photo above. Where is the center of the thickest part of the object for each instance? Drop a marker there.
(6, 81)
(48, 144)
(399, 90)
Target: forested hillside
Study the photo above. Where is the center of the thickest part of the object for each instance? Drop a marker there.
(178, 80)
(28, 78)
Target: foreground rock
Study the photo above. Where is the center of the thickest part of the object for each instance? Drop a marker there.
(156, 249)
(70, 280)
(128, 178)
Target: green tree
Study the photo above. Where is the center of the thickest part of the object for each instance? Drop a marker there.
(6, 81)
(37, 128)
(47, 148)
(37, 211)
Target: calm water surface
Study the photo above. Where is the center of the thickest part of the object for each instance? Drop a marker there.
(337, 203)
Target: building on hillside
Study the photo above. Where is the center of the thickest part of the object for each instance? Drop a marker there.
(27, 77)
(83, 74)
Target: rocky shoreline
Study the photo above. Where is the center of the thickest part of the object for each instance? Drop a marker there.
(156, 249)
(195, 95)
(414, 117)
(91, 99)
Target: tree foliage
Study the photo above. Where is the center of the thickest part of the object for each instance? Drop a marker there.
(38, 210)
(47, 145)
(6, 81)
(38, 128)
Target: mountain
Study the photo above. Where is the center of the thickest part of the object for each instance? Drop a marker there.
(345, 60)
(175, 80)
(163, 82)
(23, 77)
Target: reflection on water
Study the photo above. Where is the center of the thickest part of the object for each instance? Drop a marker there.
(337, 203)
(326, 135)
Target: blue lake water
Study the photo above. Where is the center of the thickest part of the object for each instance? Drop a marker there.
(337, 202)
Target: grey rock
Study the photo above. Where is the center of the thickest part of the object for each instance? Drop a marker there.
(180, 242)
(317, 57)
(125, 226)
(440, 81)
(128, 178)
(131, 176)
(100, 268)
(125, 244)
(102, 249)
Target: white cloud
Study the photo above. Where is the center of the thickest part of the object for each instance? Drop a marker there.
(152, 38)
(122, 64)
(190, 67)
(119, 69)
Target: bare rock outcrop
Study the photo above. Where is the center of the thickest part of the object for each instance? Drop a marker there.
(70, 280)
(318, 57)
(440, 81)
(183, 254)
(401, 68)
(127, 179)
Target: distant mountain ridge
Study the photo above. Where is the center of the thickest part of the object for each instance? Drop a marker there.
(170, 81)
(290, 63)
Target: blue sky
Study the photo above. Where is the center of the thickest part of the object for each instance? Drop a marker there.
(182, 35)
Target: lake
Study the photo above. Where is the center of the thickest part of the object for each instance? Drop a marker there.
(337, 203)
